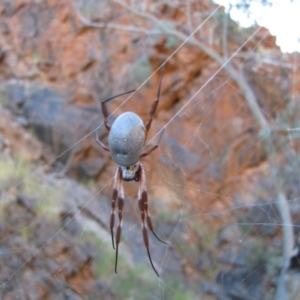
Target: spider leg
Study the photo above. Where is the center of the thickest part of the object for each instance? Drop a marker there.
(143, 205)
(145, 234)
(143, 195)
(149, 222)
(119, 228)
(105, 115)
(153, 147)
(105, 111)
(99, 142)
(116, 188)
(154, 106)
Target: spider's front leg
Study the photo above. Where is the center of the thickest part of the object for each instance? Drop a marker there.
(144, 229)
(118, 194)
(119, 228)
(117, 184)
(143, 205)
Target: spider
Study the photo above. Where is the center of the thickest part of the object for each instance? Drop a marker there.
(127, 137)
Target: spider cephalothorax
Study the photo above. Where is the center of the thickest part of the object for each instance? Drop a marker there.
(132, 172)
(127, 137)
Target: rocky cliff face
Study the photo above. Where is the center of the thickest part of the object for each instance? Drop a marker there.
(55, 68)
(42, 253)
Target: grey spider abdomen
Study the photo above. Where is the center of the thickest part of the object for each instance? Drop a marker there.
(126, 139)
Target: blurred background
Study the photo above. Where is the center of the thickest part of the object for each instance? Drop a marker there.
(223, 186)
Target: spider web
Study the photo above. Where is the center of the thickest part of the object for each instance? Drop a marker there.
(221, 244)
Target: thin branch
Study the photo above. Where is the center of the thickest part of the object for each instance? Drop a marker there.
(144, 5)
(189, 15)
(93, 24)
(225, 34)
(270, 61)
(288, 245)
